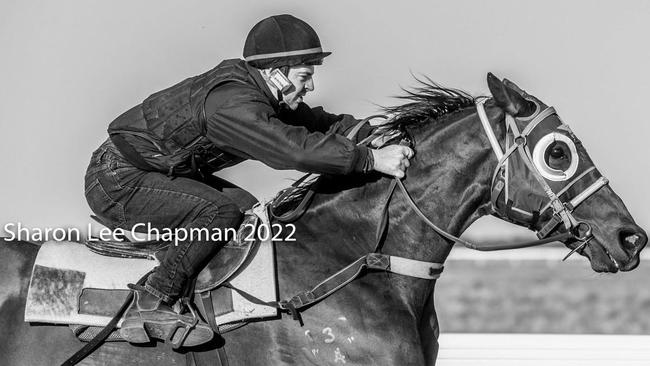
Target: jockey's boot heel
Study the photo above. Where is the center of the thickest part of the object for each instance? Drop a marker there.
(149, 317)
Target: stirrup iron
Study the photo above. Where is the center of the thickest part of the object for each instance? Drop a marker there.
(187, 327)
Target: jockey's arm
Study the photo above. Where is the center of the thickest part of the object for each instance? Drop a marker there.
(317, 119)
(246, 125)
(392, 160)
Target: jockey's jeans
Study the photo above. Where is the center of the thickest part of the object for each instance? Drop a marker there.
(124, 196)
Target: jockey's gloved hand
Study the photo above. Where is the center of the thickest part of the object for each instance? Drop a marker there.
(392, 160)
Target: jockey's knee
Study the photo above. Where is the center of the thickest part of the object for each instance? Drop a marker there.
(232, 212)
(222, 215)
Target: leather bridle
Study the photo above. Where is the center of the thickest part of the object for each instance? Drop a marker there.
(579, 231)
(562, 211)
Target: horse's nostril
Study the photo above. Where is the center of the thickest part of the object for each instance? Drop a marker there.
(631, 240)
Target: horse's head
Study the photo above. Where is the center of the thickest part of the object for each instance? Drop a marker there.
(547, 181)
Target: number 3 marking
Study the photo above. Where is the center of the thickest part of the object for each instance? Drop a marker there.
(328, 332)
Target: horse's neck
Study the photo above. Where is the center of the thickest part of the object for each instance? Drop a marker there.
(449, 179)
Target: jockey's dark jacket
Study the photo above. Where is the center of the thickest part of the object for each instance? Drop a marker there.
(227, 115)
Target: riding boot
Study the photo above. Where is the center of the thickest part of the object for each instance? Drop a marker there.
(150, 317)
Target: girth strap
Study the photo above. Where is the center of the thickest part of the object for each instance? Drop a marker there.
(208, 308)
(376, 261)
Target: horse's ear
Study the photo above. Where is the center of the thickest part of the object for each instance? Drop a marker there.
(509, 99)
(515, 87)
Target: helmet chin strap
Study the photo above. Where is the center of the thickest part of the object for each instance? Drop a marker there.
(274, 90)
(280, 95)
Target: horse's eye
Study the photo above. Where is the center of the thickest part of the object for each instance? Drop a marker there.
(558, 156)
(556, 152)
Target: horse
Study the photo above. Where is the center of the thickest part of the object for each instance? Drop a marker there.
(384, 318)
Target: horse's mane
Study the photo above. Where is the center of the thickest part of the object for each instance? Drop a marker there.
(427, 101)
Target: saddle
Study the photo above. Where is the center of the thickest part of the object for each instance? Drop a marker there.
(72, 284)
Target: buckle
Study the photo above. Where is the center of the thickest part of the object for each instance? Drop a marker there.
(520, 140)
(588, 232)
(291, 308)
(293, 305)
(299, 300)
(378, 261)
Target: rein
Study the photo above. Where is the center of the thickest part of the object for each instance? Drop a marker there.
(467, 244)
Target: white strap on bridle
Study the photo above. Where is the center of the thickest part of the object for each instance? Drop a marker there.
(598, 184)
(485, 121)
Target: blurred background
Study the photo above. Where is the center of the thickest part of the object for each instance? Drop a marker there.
(68, 68)
(533, 291)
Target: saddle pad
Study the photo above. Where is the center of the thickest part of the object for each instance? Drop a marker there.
(72, 285)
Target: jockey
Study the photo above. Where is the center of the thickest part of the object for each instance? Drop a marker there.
(157, 165)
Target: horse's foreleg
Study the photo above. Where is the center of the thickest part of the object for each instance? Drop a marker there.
(429, 331)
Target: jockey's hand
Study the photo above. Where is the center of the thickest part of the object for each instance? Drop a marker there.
(392, 160)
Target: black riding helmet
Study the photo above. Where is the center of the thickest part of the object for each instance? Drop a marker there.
(283, 40)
